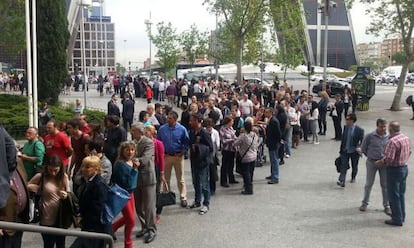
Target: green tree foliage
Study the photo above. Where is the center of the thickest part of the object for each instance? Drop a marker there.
(398, 58)
(52, 41)
(242, 24)
(287, 20)
(194, 43)
(396, 18)
(166, 40)
(12, 26)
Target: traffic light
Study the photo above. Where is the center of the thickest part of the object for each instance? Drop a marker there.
(76, 70)
(262, 67)
(129, 63)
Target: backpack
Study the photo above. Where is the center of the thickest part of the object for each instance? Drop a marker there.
(409, 100)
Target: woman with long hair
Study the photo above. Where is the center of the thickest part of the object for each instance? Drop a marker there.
(52, 185)
(323, 109)
(125, 174)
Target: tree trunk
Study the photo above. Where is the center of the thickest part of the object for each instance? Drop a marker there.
(396, 102)
(284, 73)
(239, 59)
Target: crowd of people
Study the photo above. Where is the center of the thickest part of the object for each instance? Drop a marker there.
(238, 121)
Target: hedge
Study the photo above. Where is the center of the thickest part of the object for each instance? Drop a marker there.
(15, 118)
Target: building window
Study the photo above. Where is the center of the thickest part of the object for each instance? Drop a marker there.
(110, 27)
(110, 36)
(110, 45)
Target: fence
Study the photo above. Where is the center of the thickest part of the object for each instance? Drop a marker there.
(55, 231)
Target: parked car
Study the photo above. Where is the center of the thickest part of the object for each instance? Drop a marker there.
(318, 77)
(333, 87)
(257, 81)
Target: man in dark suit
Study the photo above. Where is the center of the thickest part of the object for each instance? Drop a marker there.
(350, 148)
(145, 194)
(336, 114)
(128, 109)
(113, 108)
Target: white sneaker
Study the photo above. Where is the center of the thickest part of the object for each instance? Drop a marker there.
(287, 156)
(316, 142)
(203, 210)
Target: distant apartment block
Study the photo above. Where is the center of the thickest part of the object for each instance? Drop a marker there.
(369, 52)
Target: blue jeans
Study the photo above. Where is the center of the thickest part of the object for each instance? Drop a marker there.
(274, 163)
(247, 172)
(396, 180)
(201, 183)
(288, 141)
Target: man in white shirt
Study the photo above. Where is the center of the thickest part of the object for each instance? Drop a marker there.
(246, 106)
(184, 92)
(161, 90)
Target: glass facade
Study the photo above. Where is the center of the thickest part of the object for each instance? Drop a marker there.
(341, 45)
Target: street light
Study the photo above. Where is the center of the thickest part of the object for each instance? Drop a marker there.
(149, 25)
(82, 5)
(325, 10)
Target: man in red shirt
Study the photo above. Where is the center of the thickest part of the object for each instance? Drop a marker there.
(78, 141)
(395, 158)
(57, 143)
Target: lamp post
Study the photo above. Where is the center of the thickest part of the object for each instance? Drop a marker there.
(149, 27)
(82, 5)
(325, 9)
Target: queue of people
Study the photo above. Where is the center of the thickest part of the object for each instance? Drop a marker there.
(228, 119)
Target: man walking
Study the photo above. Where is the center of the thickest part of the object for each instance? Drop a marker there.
(350, 148)
(373, 147)
(396, 154)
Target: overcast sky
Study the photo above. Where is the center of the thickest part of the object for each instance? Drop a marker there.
(129, 16)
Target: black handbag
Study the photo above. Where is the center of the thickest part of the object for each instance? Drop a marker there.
(165, 198)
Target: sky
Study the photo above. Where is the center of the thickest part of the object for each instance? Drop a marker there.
(129, 16)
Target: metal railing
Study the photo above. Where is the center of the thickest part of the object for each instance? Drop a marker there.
(55, 231)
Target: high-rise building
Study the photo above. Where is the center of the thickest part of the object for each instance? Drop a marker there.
(98, 40)
(341, 48)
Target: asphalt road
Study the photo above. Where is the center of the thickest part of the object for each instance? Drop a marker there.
(306, 209)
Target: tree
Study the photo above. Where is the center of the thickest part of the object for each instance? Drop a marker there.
(242, 19)
(398, 57)
(12, 28)
(288, 23)
(194, 44)
(394, 17)
(166, 40)
(52, 41)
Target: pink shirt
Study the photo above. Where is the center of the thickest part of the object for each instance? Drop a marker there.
(397, 150)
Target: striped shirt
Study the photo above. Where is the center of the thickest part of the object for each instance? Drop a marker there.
(397, 150)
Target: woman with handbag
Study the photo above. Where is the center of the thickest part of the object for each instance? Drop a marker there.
(159, 162)
(52, 185)
(125, 174)
(247, 144)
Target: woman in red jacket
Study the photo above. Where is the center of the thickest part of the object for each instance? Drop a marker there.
(149, 94)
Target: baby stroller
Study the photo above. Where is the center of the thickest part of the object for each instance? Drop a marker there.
(261, 157)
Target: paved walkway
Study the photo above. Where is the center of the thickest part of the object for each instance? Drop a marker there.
(307, 208)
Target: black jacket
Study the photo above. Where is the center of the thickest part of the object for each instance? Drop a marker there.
(201, 148)
(91, 205)
(273, 133)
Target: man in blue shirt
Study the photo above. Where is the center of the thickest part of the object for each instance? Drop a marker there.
(176, 140)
